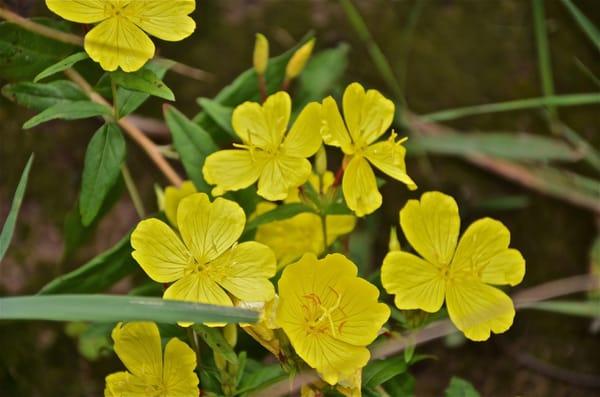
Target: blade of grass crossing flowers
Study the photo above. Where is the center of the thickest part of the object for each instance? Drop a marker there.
(113, 308)
(543, 51)
(584, 23)
(9, 225)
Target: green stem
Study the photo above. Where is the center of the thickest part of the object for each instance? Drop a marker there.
(133, 191)
(543, 52)
(113, 87)
(193, 337)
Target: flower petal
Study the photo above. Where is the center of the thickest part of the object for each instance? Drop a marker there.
(117, 42)
(209, 229)
(304, 138)
(178, 373)
(338, 225)
(198, 287)
(416, 283)
(159, 251)
(368, 114)
(138, 346)
(245, 270)
(280, 174)
(334, 130)
(166, 20)
(277, 110)
(81, 11)
(173, 196)
(477, 308)
(360, 188)
(123, 383)
(432, 226)
(264, 125)
(388, 157)
(483, 250)
(233, 170)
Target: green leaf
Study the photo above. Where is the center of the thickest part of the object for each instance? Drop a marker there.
(219, 114)
(216, 341)
(380, 371)
(584, 23)
(69, 111)
(9, 225)
(258, 376)
(113, 308)
(192, 143)
(323, 71)
(103, 159)
(460, 388)
(41, 96)
(573, 308)
(519, 104)
(281, 212)
(144, 81)
(23, 53)
(61, 65)
(98, 274)
(129, 101)
(505, 145)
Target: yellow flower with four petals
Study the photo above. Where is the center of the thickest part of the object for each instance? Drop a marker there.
(367, 117)
(278, 160)
(150, 373)
(120, 39)
(458, 271)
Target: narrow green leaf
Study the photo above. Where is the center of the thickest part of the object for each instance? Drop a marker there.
(584, 23)
(589, 308)
(129, 101)
(219, 114)
(69, 111)
(61, 65)
(192, 143)
(41, 96)
(543, 50)
(216, 341)
(519, 104)
(103, 158)
(515, 146)
(145, 81)
(380, 371)
(259, 376)
(98, 274)
(460, 388)
(281, 212)
(113, 308)
(9, 225)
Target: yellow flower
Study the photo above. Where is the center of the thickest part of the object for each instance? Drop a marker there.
(204, 260)
(149, 372)
(329, 314)
(276, 159)
(458, 271)
(367, 116)
(120, 39)
(291, 238)
(173, 196)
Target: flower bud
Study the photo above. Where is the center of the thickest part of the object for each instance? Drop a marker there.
(298, 60)
(230, 334)
(321, 161)
(261, 54)
(394, 243)
(160, 197)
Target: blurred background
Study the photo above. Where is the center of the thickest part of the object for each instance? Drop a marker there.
(443, 54)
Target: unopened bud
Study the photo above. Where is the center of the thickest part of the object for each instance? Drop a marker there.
(160, 197)
(321, 161)
(261, 54)
(230, 334)
(394, 244)
(298, 60)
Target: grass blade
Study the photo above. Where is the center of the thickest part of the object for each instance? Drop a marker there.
(585, 24)
(113, 308)
(543, 51)
(9, 225)
(519, 104)
(572, 308)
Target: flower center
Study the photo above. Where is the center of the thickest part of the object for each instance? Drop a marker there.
(319, 318)
(113, 10)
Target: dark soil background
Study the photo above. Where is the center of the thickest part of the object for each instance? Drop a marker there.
(463, 52)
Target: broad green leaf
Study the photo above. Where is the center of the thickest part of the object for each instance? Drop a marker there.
(129, 101)
(219, 114)
(589, 308)
(460, 388)
(61, 65)
(144, 81)
(505, 145)
(98, 274)
(283, 211)
(259, 376)
(192, 143)
(23, 54)
(380, 371)
(41, 96)
(402, 385)
(113, 308)
(9, 224)
(214, 338)
(519, 104)
(103, 159)
(320, 76)
(584, 23)
(69, 111)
